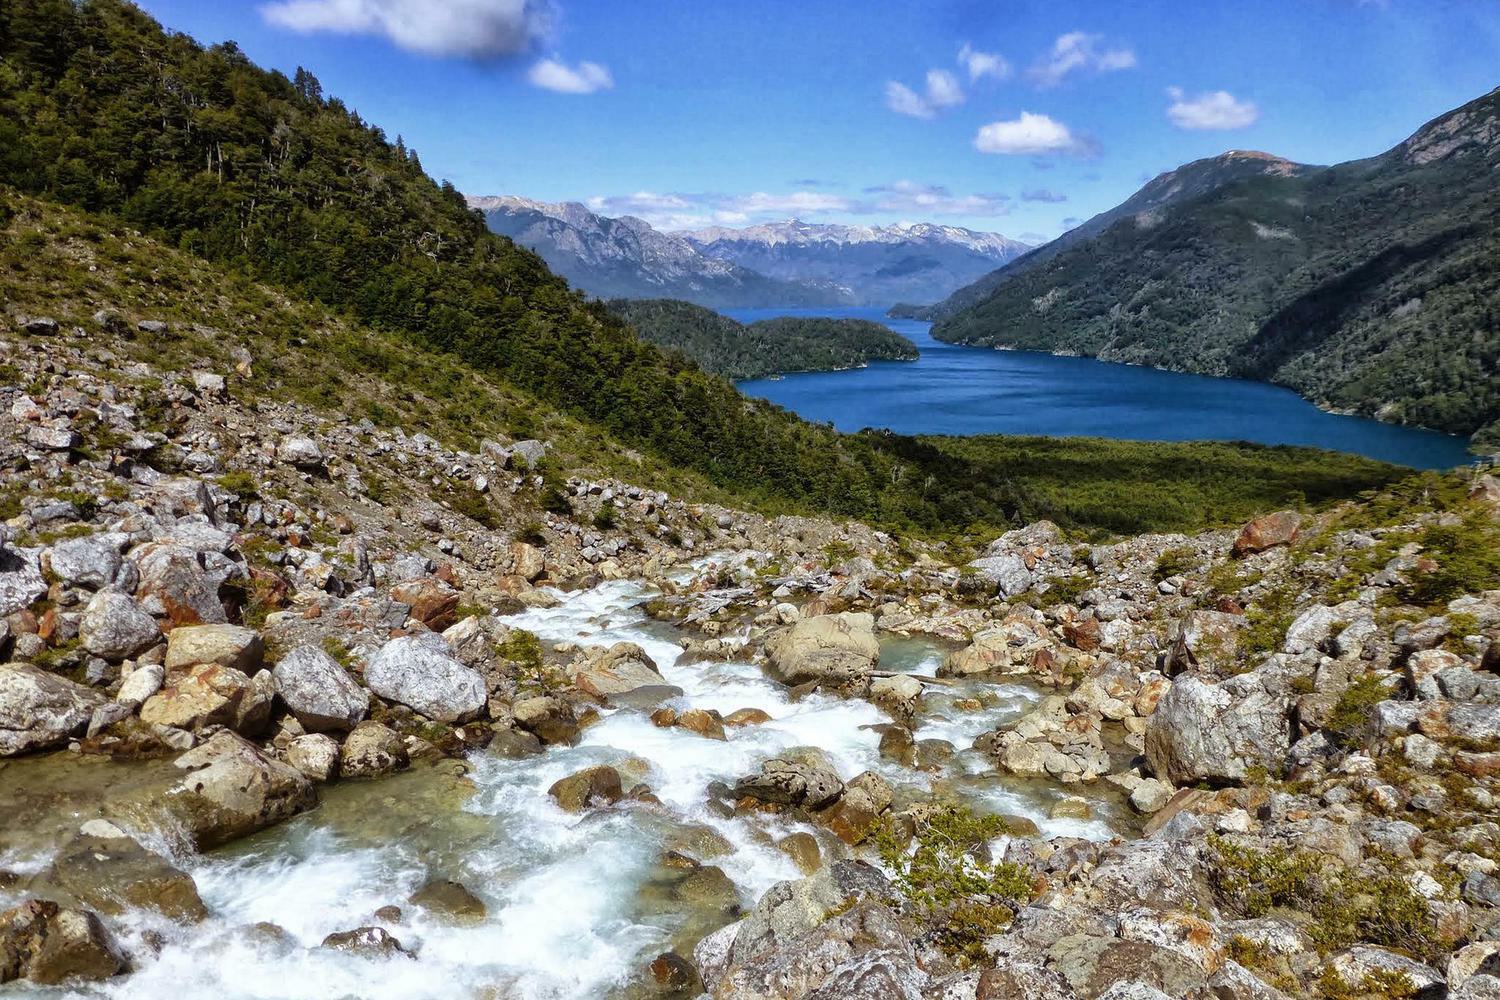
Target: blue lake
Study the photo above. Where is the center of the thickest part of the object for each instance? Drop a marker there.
(972, 390)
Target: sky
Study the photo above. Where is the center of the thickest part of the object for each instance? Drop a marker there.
(1005, 116)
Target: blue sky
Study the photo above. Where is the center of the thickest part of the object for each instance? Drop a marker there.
(1005, 115)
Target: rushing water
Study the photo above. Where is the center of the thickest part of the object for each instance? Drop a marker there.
(973, 390)
(577, 904)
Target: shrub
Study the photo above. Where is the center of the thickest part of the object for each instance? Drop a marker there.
(604, 520)
(945, 877)
(1173, 562)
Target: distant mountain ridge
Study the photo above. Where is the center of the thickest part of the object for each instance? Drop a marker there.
(790, 263)
(1371, 286)
(626, 258)
(879, 265)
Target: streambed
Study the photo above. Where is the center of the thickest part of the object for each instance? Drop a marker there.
(576, 904)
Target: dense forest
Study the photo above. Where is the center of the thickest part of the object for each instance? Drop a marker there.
(721, 345)
(1371, 286)
(267, 176)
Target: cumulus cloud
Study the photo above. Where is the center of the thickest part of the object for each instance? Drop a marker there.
(584, 78)
(1079, 51)
(982, 64)
(474, 29)
(942, 91)
(1029, 135)
(1217, 109)
(1046, 195)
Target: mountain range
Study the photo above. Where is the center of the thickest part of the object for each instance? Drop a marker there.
(1368, 286)
(790, 263)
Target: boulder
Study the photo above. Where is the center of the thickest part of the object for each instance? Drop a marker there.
(791, 782)
(898, 695)
(617, 670)
(1268, 532)
(449, 899)
(231, 789)
(371, 750)
(318, 691)
(93, 562)
(115, 628)
(226, 645)
(527, 560)
(591, 786)
(209, 695)
(49, 944)
(1203, 731)
(854, 816)
(299, 450)
(141, 683)
(432, 601)
(108, 871)
(1354, 965)
(316, 755)
(367, 942)
(39, 710)
(547, 718)
(1007, 571)
(414, 673)
(174, 579)
(836, 651)
(21, 580)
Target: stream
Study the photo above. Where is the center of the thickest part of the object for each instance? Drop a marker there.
(577, 904)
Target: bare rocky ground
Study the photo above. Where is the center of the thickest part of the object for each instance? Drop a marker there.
(238, 604)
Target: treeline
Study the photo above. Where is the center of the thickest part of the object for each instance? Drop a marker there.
(724, 346)
(268, 176)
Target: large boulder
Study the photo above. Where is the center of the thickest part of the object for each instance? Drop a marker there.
(836, 651)
(372, 750)
(226, 645)
(211, 695)
(299, 450)
(1268, 532)
(432, 601)
(592, 786)
(108, 871)
(781, 781)
(50, 944)
(39, 709)
(1203, 731)
(415, 673)
(21, 580)
(318, 691)
(230, 789)
(621, 668)
(1007, 571)
(115, 628)
(176, 583)
(93, 562)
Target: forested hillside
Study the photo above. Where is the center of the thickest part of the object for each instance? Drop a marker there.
(1371, 286)
(737, 350)
(267, 176)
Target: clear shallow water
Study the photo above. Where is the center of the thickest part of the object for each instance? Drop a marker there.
(577, 904)
(974, 390)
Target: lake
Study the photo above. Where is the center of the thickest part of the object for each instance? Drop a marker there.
(975, 390)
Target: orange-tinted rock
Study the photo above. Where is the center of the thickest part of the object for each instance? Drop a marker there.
(1268, 532)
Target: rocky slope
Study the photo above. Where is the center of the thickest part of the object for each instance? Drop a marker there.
(1367, 286)
(627, 258)
(238, 602)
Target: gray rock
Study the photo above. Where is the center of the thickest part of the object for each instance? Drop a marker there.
(831, 650)
(527, 453)
(316, 755)
(1352, 965)
(115, 628)
(1203, 731)
(21, 580)
(141, 683)
(318, 691)
(1007, 571)
(231, 789)
(371, 750)
(40, 709)
(621, 668)
(411, 672)
(49, 944)
(91, 562)
(791, 782)
(299, 450)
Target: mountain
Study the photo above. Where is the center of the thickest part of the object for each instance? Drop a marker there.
(1371, 286)
(878, 265)
(737, 350)
(627, 258)
(1189, 181)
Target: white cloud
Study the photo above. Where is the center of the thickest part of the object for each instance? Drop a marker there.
(678, 210)
(1218, 109)
(928, 200)
(585, 78)
(982, 64)
(1046, 195)
(475, 29)
(943, 91)
(1079, 51)
(1029, 135)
